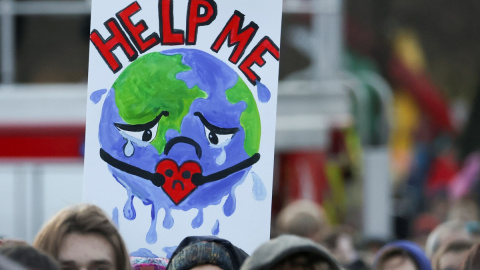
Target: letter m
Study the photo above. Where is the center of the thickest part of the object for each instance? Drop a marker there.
(238, 36)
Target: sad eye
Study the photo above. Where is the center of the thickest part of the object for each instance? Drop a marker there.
(143, 135)
(142, 132)
(217, 139)
(216, 136)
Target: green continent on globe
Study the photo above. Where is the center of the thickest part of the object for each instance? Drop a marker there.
(250, 118)
(149, 86)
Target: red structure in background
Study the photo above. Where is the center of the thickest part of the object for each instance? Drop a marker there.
(301, 176)
(425, 92)
(40, 141)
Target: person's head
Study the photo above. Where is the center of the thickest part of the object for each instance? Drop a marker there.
(446, 232)
(205, 253)
(401, 255)
(342, 247)
(451, 255)
(291, 252)
(464, 209)
(83, 236)
(369, 248)
(472, 261)
(29, 257)
(303, 218)
(11, 241)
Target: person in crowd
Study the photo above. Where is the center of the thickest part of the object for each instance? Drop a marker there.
(472, 261)
(465, 209)
(369, 248)
(401, 255)
(446, 232)
(10, 241)
(206, 253)
(303, 218)
(451, 255)
(29, 257)
(83, 237)
(341, 245)
(473, 230)
(291, 252)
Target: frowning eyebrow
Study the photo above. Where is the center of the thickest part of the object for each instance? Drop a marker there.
(214, 128)
(141, 127)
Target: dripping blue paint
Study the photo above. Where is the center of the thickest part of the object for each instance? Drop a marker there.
(259, 191)
(183, 149)
(169, 251)
(263, 92)
(96, 96)
(144, 253)
(115, 216)
(198, 220)
(216, 228)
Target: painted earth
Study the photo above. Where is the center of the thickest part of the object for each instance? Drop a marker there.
(179, 130)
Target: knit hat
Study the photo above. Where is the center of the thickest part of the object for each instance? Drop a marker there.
(200, 250)
(274, 251)
(414, 250)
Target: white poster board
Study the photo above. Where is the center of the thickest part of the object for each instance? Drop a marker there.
(181, 119)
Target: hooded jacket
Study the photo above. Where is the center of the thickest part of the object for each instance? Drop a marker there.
(274, 251)
(414, 250)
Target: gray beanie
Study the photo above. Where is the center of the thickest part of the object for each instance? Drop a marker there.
(274, 251)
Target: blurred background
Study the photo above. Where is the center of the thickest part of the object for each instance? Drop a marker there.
(377, 110)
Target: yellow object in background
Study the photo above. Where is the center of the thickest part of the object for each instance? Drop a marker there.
(407, 47)
(406, 120)
(334, 204)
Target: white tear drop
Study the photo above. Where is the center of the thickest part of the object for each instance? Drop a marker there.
(128, 149)
(222, 157)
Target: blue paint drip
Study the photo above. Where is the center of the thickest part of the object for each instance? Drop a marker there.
(152, 232)
(169, 251)
(168, 220)
(263, 93)
(198, 220)
(115, 216)
(259, 191)
(230, 205)
(144, 253)
(128, 210)
(96, 96)
(216, 228)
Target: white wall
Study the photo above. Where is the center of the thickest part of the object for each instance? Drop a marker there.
(31, 192)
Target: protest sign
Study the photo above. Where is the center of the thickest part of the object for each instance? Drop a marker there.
(181, 119)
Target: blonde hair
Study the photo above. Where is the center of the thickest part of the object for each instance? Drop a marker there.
(303, 218)
(82, 219)
(452, 246)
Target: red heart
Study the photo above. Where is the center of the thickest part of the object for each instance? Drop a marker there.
(178, 180)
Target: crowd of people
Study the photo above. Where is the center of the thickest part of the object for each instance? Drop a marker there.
(83, 237)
